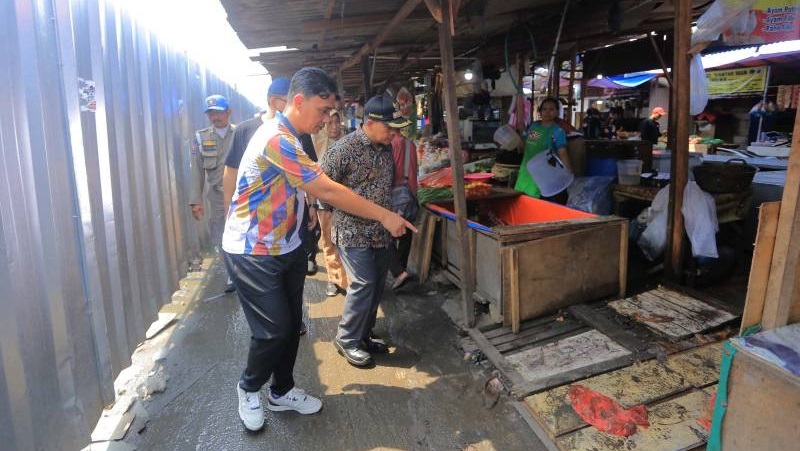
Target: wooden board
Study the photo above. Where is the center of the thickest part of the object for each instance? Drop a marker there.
(763, 406)
(759, 268)
(673, 427)
(641, 383)
(670, 313)
(566, 269)
(571, 353)
(605, 325)
(419, 259)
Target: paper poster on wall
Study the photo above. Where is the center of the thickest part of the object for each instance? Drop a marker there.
(86, 94)
(736, 82)
(768, 21)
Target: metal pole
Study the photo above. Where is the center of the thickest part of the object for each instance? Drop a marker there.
(763, 104)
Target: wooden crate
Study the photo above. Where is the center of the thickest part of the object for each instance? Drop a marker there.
(763, 406)
(525, 271)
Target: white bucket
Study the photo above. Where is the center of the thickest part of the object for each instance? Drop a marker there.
(507, 137)
(629, 172)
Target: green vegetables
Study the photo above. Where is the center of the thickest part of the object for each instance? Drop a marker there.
(427, 195)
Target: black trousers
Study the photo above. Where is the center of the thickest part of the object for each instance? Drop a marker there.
(270, 290)
(399, 249)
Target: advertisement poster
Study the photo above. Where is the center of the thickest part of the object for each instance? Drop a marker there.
(736, 82)
(768, 21)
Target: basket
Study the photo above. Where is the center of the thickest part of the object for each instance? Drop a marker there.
(733, 176)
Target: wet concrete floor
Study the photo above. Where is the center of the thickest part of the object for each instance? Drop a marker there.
(422, 396)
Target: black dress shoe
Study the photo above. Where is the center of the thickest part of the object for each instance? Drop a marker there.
(303, 328)
(331, 289)
(354, 356)
(375, 346)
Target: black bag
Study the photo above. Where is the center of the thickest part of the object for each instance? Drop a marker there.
(403, 200)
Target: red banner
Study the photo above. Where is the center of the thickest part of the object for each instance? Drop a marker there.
(768, 21)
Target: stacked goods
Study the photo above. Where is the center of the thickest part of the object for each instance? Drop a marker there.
(477, 189)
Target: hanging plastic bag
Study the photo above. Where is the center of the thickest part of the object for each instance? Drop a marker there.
(700, 220)
(718, 18)
(654, 238)
(698, 95)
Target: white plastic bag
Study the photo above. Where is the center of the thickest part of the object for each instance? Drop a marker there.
(698, 96)
(718, 18)
(654, 238)
(700, 220)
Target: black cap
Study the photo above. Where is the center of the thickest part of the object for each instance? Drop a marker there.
(381, 108)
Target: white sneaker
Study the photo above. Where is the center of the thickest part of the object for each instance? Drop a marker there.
(297, 400)
(250, 410)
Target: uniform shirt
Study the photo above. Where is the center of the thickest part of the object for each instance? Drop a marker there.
(368, 170)
(268, 205)
(209, 152)
(245, 131)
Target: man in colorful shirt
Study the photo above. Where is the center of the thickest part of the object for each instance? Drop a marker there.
(263, 248)
(363, 162)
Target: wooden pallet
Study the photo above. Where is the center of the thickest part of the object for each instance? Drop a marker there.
(671, 313)
(655, 384)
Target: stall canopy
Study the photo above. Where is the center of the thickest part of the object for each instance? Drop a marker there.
(623, 81)
(394, 40)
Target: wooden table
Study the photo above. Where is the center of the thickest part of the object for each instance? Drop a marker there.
(731, 207)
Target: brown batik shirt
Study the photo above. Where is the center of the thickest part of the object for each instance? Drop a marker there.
(368, 170)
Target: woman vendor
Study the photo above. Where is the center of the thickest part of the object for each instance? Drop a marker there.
(541, 136)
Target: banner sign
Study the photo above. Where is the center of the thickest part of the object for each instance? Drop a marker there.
(767, 22)
(736, 82)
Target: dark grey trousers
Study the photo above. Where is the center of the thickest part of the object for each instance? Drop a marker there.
(366, 268)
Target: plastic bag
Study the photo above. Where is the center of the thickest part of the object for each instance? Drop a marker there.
(606, 414)
(718, 18)
(654, 238)
(700, 220)
(698, 94)
(591, 194)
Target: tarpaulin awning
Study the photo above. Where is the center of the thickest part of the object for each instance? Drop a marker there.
(622, 81)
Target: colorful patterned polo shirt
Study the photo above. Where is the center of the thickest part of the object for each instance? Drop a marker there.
(267, 208)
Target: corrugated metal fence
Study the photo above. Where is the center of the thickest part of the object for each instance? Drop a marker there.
(94, 227)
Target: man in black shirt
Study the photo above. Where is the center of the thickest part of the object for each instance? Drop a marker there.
(649, 128)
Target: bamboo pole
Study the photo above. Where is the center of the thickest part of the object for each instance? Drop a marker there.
(454, 140)
(679, 170)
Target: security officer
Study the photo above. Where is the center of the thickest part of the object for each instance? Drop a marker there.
(208, 162)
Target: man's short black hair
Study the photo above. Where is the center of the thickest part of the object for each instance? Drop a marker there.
(312, 81)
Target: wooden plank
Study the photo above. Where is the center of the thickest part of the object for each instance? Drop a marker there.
(427, 248)
(419, 259)
(759, 268)
(700, 366)
(671, 313)
(568, 269)
(605, 325)
(693, 304)
(782, 291)
(535, 334)
(510, 274)
(656, 314)
(623, 259)
(504, 330)
(640, 383)
(679, 125)
(525, 413)
(673, 427)
(401, 14)
(457, 164)
(571, 353)
(497, 359)
(536, 386)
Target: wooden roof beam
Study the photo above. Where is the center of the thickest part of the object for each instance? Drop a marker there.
(328, 14)
(435, 9)
(404, 11)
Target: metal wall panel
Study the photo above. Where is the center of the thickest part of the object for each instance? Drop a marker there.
(95, 230)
